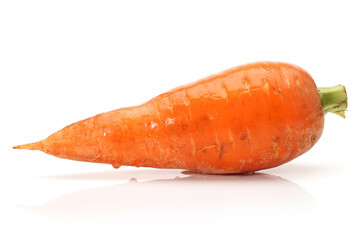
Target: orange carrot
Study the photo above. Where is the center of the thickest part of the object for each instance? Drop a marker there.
(248, 118)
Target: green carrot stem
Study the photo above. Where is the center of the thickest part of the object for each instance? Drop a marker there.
(333, 99)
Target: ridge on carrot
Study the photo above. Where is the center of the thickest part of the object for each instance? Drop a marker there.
(247, 118)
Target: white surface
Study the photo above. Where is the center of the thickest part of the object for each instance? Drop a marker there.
(62, 61)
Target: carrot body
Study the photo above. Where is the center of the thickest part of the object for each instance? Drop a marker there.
(247, 118)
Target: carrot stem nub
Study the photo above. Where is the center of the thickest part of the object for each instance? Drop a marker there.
(333, 99)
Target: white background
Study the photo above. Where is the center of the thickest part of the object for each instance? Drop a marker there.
(63, 61)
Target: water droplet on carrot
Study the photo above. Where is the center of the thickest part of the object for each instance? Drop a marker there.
(116, 165)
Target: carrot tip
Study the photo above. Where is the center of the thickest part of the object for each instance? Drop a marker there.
(29, 146)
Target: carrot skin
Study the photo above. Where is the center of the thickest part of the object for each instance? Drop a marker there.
(248, 118)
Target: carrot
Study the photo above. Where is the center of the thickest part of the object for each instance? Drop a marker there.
(248, 118)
